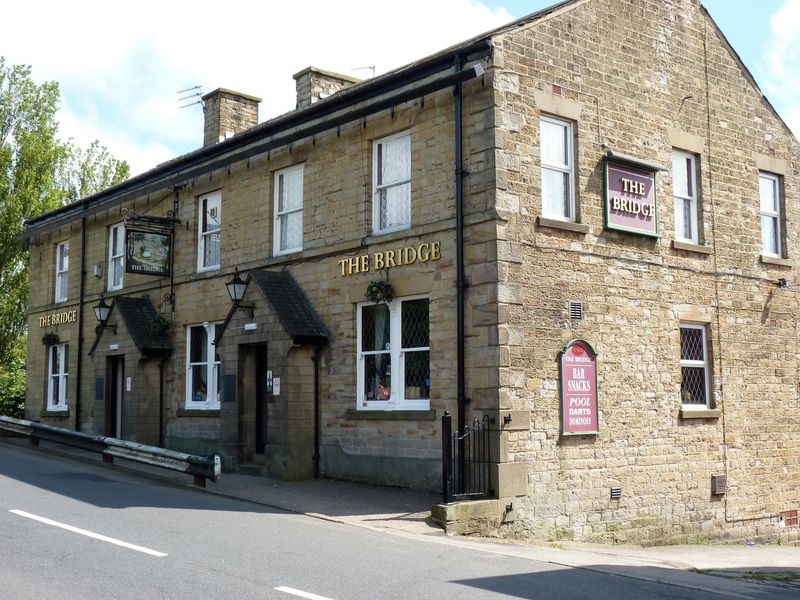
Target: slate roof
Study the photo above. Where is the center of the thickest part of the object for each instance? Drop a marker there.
(290, 305)
(139, 315)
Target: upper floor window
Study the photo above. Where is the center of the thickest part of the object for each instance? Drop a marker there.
(558, 170)
(694, 366)
(391, 183)
(684, 193)
(288, 236)
(769, 191)
(62, 268)
(116, 256)
(394, 355)
(57, 377)
(202, 367)
(209, 232)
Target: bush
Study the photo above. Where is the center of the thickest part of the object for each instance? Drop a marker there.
(12, 383)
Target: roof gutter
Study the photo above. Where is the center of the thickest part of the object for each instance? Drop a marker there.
(386, 91)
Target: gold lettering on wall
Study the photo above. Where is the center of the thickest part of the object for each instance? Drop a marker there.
(387, 259)
(59, 318)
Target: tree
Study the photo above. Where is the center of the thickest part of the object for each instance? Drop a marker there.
(88, 171)
(38, 173)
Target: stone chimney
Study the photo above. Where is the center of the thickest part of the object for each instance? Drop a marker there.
(226, 114)
(314, 84)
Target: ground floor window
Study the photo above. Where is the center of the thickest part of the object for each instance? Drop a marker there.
(202, 367)
(57, 377)
(694, 366)
(394, 355)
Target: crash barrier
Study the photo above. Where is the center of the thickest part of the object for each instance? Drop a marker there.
(201, 467)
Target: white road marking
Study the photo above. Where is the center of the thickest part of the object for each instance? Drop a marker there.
(90, 534)
(300, 593)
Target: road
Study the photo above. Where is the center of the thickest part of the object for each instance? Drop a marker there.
(74, 530)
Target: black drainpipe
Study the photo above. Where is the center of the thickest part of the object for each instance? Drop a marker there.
(80, 321)
(161, 400)
(460, 285)
(317, 354)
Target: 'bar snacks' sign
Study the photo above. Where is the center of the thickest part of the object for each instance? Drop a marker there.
(578, 375)
(630, 198)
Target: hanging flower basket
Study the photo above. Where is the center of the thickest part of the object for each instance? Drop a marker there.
(379, 291)
(160, 325)
(50, 339)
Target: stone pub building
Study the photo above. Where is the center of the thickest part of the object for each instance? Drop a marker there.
(582, 225)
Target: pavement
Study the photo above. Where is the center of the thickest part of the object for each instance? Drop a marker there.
(742, 569)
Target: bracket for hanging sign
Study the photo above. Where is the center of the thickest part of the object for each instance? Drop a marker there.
(148, 222)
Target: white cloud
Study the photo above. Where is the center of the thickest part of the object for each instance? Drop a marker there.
(783, 58)
(120, 73)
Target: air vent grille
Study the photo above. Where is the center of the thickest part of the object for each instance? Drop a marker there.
(616, 493)
(719, 485)
(789, 518)
(576, 311)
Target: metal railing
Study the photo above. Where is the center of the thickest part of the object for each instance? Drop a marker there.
(466, 460)
(201, 467)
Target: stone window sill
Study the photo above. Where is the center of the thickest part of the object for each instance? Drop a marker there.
(190, 412)
(390, 415)
(774, 260)
(690, 247)
(55, 413)
(700, 413)
(565, 225)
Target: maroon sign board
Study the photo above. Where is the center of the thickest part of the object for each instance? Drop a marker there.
(630, 195)
(578, 379)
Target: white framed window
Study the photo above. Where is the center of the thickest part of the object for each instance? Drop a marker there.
(116, 256)
(558, 175)
(695, 388)
(209, 231)
(391, 183)
(394, 355)
(684, 194)
(202, 366)
(769, 192)
(62, 269)
(288, 236)
(57, 377)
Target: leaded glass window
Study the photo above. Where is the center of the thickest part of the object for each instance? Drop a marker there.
(394, 355)
(694, 366)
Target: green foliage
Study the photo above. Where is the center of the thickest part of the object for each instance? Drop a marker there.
(38, 173)
(12, 382)
(88, 171)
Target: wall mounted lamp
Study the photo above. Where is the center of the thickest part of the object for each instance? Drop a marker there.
(101, 312)
(236, 289)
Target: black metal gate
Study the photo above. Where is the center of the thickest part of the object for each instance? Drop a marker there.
(465, 460)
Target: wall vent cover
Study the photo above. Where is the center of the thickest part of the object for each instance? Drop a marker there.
(616, 493)
(719, 485)
(789, 518)
(576, 311)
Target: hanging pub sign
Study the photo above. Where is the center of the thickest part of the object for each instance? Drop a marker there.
(147, 253)
(578, 379)
(630, 194)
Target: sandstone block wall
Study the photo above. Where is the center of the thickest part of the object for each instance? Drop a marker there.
(642, 78)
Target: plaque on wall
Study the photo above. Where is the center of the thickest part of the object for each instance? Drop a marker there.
(578, 384)
(630, 195)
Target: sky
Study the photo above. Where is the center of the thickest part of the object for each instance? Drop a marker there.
(120, 71)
